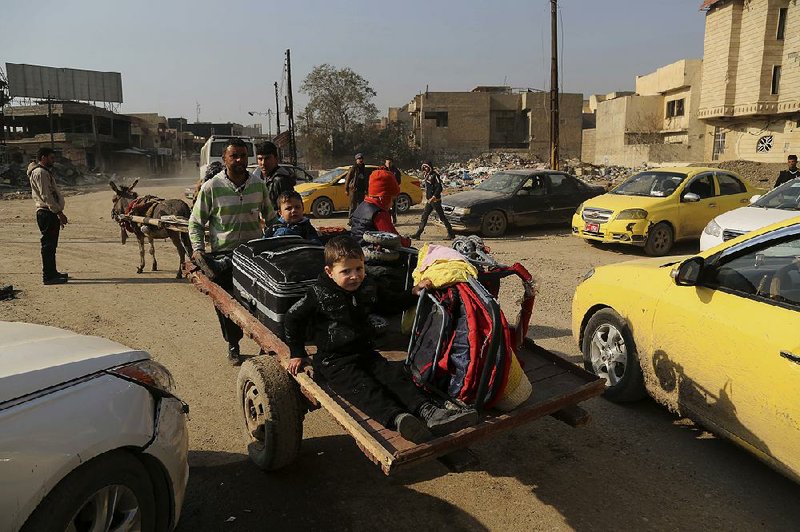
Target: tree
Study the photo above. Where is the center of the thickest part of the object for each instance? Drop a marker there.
(339, 100)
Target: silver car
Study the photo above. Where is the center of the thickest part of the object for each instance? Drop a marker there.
(91, 435)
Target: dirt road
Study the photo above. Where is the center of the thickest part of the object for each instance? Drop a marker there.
(633, 467)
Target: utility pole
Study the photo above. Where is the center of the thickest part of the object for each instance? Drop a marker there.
(269, 123)
(290, 110)
(277, 111)
(554, 85)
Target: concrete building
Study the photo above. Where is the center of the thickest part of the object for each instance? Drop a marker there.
(750, 99)
(488, 118)
(86, 135)
(656, 124)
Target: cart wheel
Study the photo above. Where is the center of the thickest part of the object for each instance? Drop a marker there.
(273, 415)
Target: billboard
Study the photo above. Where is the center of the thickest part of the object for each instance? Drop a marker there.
(33, 81)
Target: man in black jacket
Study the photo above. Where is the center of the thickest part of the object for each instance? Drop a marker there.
(277, 178)
(791, 173)
(338, 306)
(356, 183)
(433, 194)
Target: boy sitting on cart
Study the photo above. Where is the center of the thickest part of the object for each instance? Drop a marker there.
(292, 220)
(338, 307)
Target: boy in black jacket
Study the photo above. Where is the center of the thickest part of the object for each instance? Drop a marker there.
(338, 306)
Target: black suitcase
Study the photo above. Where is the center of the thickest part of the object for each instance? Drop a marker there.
(272, 274)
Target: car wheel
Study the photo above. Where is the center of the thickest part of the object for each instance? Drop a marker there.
(494, 224)
(659, 240)
(403, 203)
(322, 207)
(110, 492)
(610, 353)
(383, 239)
(273, 415)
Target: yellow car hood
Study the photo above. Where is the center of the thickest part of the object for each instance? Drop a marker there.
(303, 187)
(616, 203)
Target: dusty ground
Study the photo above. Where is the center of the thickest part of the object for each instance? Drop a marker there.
(632, 467)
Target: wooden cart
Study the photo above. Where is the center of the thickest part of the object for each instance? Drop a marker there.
(274, 402)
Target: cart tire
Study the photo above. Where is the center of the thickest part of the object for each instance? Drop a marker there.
(383, 239)
(272, 411)
(381, 255)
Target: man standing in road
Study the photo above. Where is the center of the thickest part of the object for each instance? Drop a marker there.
(389, 165)
(355, 185)
(49, 213)
(789, 174)
(229, 204)
(433, 195)
(277, 178)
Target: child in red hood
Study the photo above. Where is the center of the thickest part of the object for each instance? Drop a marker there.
(373, 213)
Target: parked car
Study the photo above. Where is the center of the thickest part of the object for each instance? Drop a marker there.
(713, 337)
(656, 208)
(779, 204)
(517, 198)
(92, 436)
(326, 195)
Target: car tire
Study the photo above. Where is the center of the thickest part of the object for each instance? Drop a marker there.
(494, 224)
(660, 239)
(272, 410)
(383, 239)
(403, 203)
(79, 498)
(610, 352)
(322, 207)
(380, 255)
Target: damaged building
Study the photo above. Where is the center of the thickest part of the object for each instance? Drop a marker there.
(750, 99)
(493, 118)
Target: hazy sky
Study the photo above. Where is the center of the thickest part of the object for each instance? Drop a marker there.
(227, 54)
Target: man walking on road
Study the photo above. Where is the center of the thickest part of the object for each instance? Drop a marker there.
(355, 185)
(229, 204)
(788, 174)
(49, 213)
(389, 165)
(277, 178)
(433, 194)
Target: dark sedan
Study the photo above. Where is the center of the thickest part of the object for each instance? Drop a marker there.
(519, 198)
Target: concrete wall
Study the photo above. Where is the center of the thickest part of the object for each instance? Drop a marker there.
(588, 146)
(570, 131)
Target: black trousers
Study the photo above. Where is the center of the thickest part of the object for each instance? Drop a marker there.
(430, 206)
(50, 228)
(355, 200)
(393, 211)
(230, 331)
(379, 388)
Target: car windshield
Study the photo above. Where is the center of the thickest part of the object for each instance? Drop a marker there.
(654, 184)
(330, 176)
(786, 197)
(502, 182)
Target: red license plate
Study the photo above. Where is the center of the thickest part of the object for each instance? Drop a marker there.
(592, 228)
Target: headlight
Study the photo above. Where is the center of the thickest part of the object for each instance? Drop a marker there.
(149, 374)
(713, 229)
(632, 214)
(587, 275)
(306, 193)
(461, 211)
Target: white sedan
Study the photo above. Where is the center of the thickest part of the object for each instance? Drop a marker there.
(776, 205)
(91, 435)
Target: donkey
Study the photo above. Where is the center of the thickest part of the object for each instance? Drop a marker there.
(126, 201)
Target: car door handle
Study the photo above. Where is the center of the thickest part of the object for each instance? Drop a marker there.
(790, 356)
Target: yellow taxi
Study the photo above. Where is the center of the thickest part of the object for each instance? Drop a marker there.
(655, 208)
(325, 195)
(712, 336)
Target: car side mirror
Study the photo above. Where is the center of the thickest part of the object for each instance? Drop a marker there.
(688, 272)
(755, 198)
(690, 197)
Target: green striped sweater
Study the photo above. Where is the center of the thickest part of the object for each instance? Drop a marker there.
(231, 213)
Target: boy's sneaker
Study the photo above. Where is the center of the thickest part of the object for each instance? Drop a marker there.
(443, 421)
(412, 428)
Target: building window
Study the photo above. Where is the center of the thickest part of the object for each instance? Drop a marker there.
(439, 116)
(776, 79)
(764, 144)
(675, 108)
(781, 23)
(719, 143)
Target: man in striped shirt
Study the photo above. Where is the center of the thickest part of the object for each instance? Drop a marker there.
(231, 204)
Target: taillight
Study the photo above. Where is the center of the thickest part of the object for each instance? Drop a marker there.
(416, 182)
